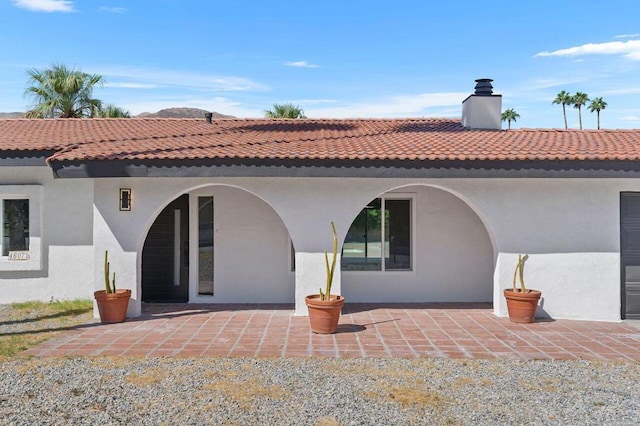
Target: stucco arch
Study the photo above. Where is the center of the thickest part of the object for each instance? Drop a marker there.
(175, 193)
(270, 246)
(467, 200)
(453, 252)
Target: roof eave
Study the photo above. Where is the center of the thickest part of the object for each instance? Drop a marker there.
(347, 168)
(25, 158)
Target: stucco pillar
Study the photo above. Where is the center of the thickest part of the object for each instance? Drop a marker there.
(123, 263)
(311, 275)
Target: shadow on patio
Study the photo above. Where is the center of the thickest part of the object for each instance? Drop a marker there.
(451, 330)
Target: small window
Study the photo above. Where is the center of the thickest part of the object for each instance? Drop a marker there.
(379, 239)
(292, 261)
(15, 226)
(21, 228)
(205, 246)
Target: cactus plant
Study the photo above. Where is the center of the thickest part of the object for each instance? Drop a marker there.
(324, 309)
(522, 303)
(112, 303)
(109, 288)
(330, 269)
(519, 273)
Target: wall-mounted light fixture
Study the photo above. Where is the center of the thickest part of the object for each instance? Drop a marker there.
(125, 199)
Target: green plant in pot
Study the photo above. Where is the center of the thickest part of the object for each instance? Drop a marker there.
(112, 302)
(522, 303)
(324, 308)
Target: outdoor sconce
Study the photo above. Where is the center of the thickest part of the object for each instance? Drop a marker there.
(125, 199)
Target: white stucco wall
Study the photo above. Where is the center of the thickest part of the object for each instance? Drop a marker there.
(464, 228)
(569, 227)
(66, 242)
(571, 230)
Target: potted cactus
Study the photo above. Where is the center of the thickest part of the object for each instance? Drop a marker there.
(112, 302)
(522, 303)
(324, 308)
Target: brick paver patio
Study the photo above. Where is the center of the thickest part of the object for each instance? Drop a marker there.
(365, 330)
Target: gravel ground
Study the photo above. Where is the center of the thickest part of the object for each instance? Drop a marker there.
(311, 391)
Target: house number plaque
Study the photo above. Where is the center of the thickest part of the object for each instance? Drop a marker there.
(19, 255)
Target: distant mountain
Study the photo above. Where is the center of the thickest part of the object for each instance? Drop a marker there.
(181, 113)
(11, 114)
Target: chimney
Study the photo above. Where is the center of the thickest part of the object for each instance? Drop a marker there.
(483, 109)
(208, 116)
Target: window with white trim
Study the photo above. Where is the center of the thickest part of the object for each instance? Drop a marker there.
(20, 231)
(15, 226)
(380, 237)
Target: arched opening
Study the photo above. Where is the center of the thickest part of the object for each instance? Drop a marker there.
(217, 244)
(165, 255)
(417, 243)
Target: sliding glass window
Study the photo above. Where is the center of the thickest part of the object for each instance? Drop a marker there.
(380, 237)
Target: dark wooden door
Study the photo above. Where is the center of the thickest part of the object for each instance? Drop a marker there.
(630, 254)
(165, 255)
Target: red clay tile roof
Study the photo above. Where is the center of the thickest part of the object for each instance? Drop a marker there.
(308, 139)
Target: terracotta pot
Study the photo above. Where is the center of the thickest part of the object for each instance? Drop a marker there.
(324, 314)
(522, 306)
(112, 306)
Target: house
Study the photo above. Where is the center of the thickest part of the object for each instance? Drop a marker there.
(238, 211)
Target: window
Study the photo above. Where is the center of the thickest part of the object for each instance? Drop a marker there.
(292, 258)
(20, 212)
(205, 246)
(379, 238)
(15, 226)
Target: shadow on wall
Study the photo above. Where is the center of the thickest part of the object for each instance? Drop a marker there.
(353, 308)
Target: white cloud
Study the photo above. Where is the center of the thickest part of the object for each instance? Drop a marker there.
(545, 83)
(419, 105)
(314, 101)
(113, 9)
(627, 35)
(45, 5)
(630, 118)
(629, 49)
(124, 75)
(625, 91)
(426, 104)
(131, 85)
(300, 64)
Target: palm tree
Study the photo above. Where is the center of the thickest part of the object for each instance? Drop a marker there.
(578, 100)
(597, 105)
(510, 115)
(62, 92)
(112, 111)
(285, 111)
(563, 98)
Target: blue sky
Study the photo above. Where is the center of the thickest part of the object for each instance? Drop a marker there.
(336, 59)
